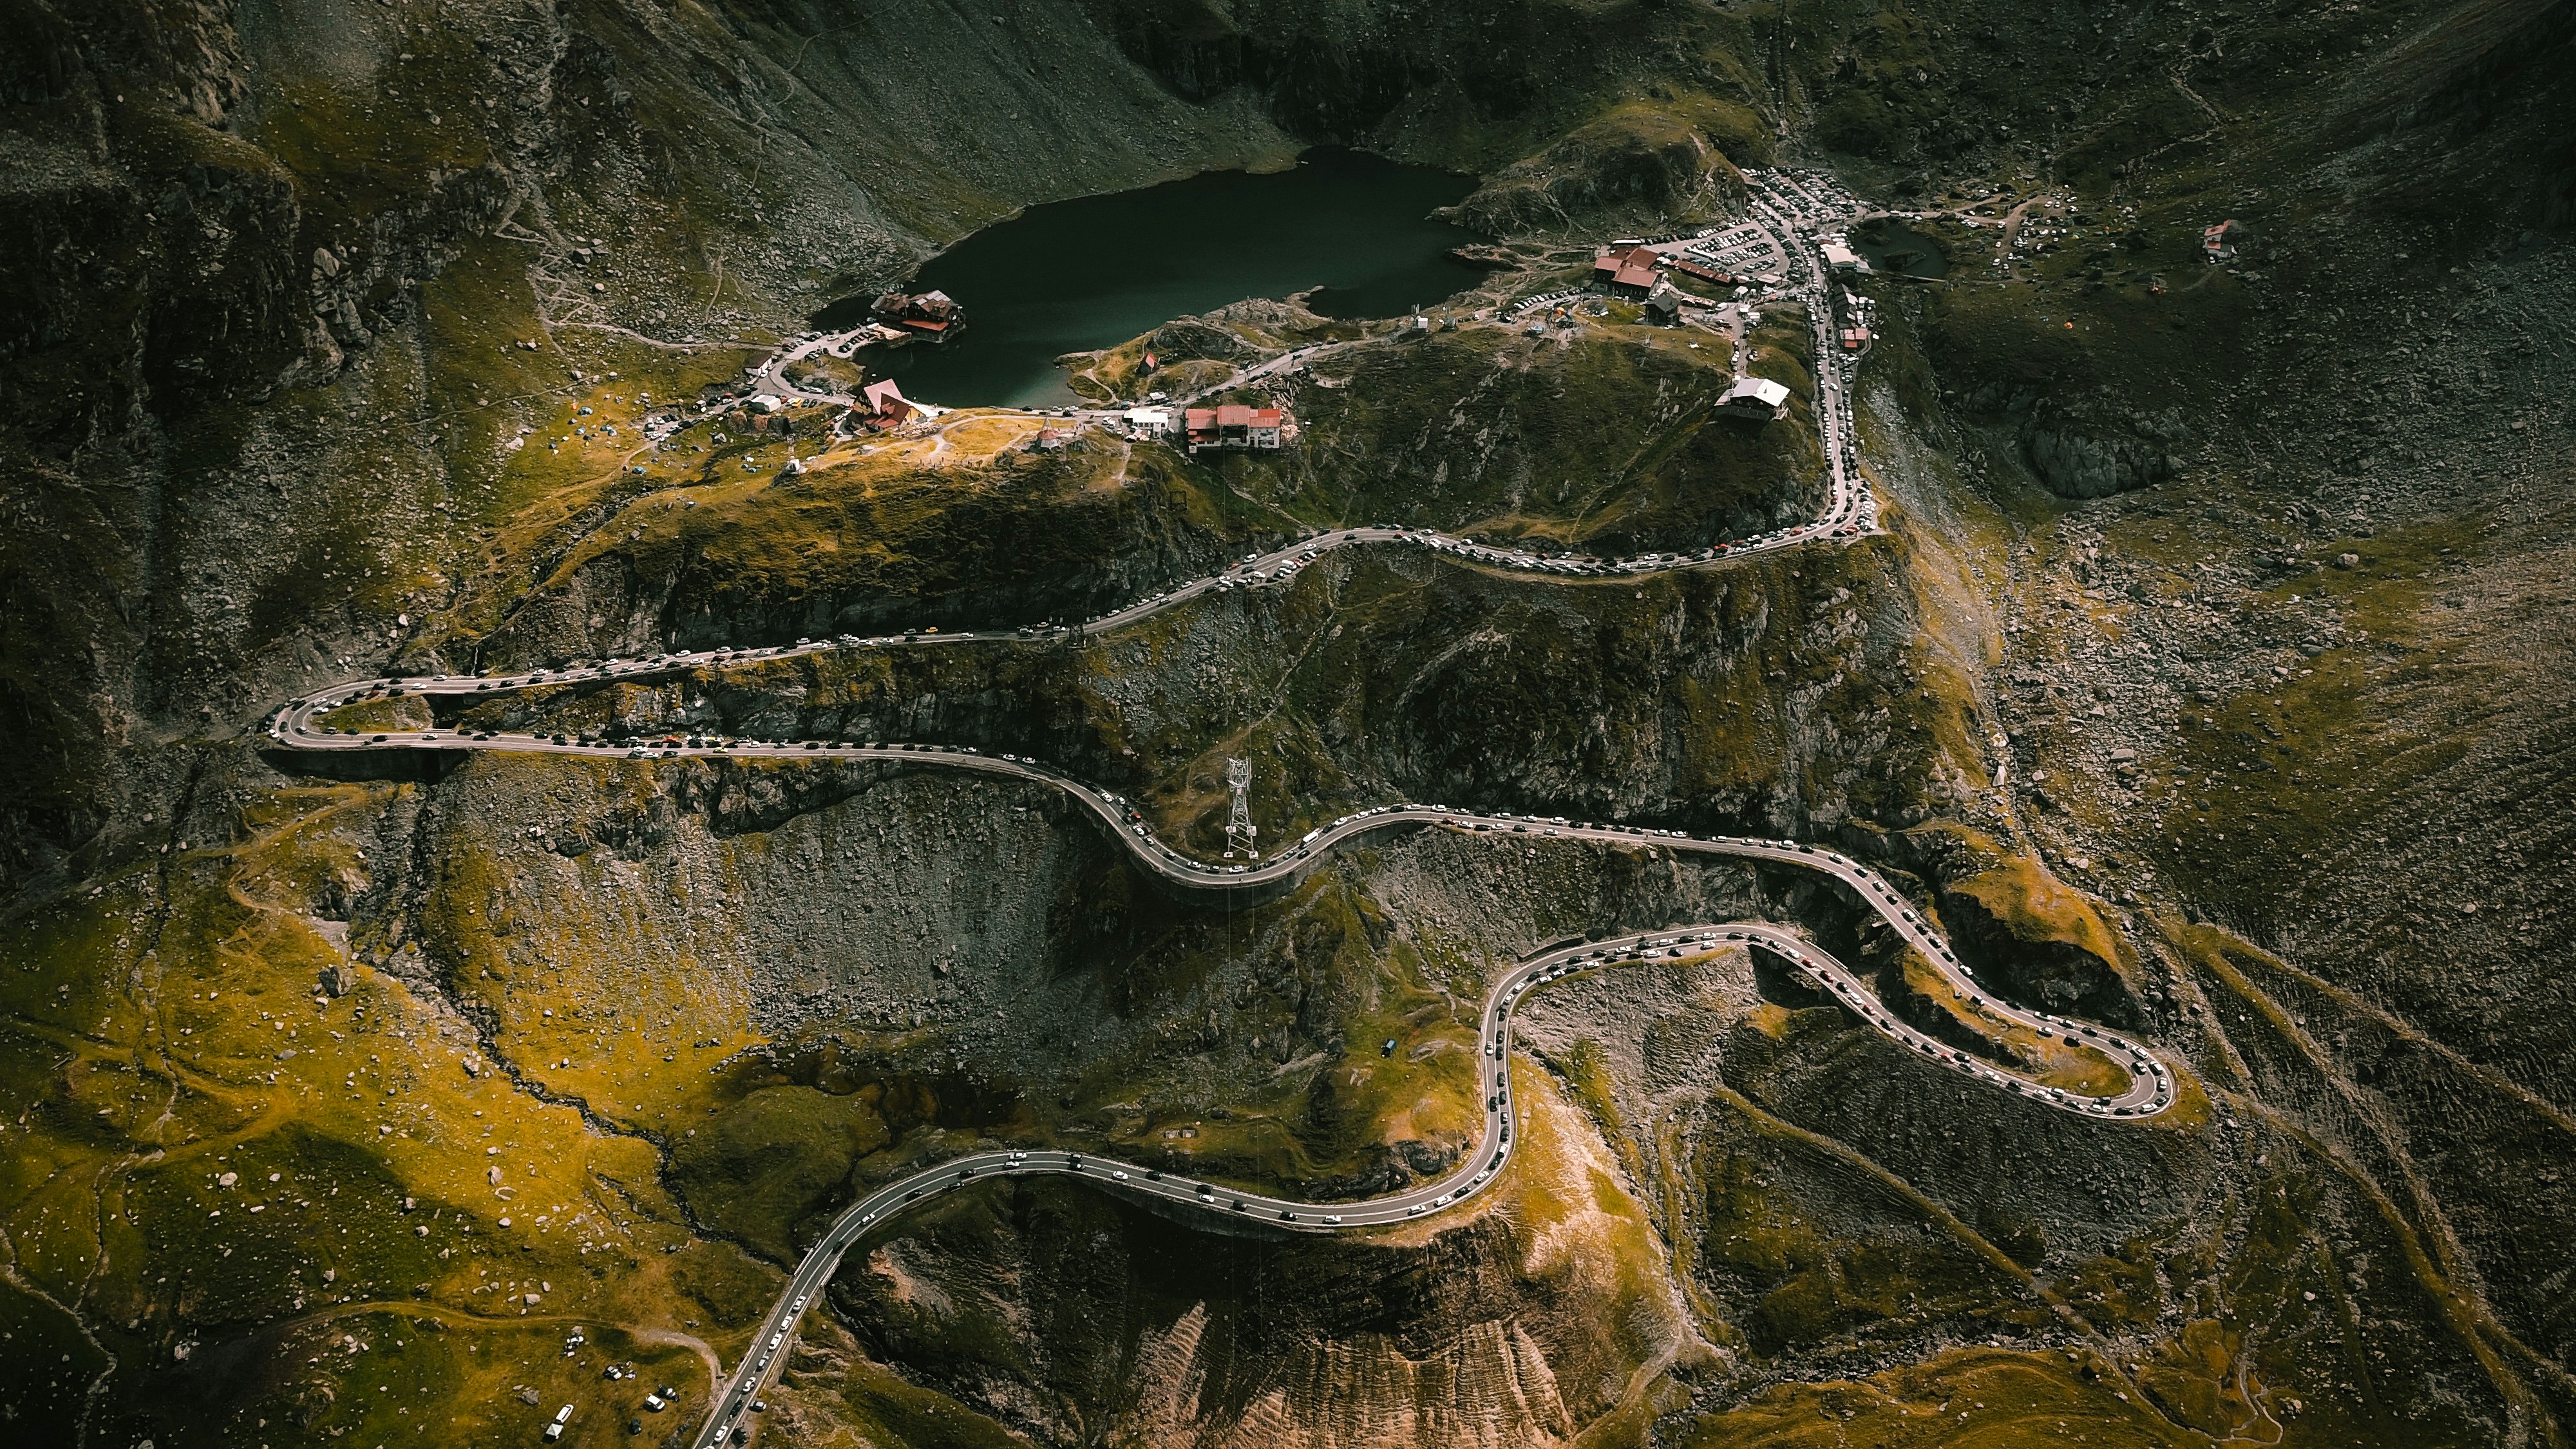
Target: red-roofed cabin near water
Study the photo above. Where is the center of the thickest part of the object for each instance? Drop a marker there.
(888, 402)
(1630, 270)
(1235, 425)
(933, 315)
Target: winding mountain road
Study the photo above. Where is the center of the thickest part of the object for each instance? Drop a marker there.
(2150, 1087)
(298, 724)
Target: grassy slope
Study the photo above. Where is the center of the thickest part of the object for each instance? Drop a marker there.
(1603, 445)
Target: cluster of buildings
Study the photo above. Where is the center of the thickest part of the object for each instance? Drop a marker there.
(1852, 315)
(1643, 271)
(1635, 269)
(882, 406)
(1229, 427)
(1234, 425)
(1638, 269)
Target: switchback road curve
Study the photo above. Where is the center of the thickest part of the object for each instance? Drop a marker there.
(1849, 513)
(296, 725)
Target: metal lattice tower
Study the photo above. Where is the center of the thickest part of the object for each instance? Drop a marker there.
(1239, 828)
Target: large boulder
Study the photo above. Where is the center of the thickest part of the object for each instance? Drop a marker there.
(2085, 445)
(2073, 461)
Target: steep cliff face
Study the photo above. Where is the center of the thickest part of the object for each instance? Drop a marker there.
(1360, 71)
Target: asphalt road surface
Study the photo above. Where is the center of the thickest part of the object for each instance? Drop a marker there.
(2150, 1090)
(1849, 514)
(296, 726)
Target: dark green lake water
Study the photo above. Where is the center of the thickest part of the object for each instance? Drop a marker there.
(1892, 246)
(1071, 276)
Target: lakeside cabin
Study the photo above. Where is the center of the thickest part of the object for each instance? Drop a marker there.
(933, 315)
(1234, 426)
(887, 402)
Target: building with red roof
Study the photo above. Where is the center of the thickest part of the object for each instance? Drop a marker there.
(888, 402)
(1632, 270)
(1235, 425)
(933, 315)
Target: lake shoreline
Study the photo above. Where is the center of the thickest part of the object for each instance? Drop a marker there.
(1351, 231)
